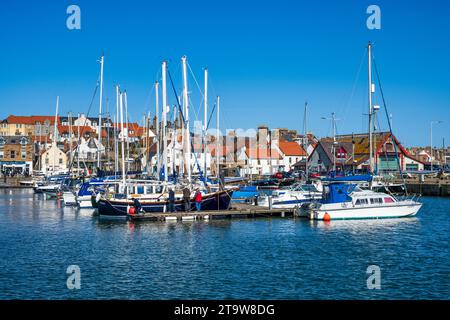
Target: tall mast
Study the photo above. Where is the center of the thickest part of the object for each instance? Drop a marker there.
(78, 145)
(305, 140)
(186, 116)
(100, 114)
(116, 143)
(174, 135)
(158, 140)
(125, 101)
(333, 118)
(218, 137)
(205, 115)
(164, 114)
(369, 50)
(54, 133)
(123, 140)
(70, 138)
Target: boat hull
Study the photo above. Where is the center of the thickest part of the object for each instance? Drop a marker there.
(69, 199)
(85, 202)
(369, 212)
(119, 208)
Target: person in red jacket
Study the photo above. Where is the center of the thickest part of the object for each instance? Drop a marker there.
(198, 200)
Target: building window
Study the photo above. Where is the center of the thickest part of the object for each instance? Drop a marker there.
(13, 154)
(389, 147)
(60, 160)
(46, 160)
(412, 167)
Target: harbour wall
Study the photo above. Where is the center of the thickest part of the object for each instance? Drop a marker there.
(435, 189)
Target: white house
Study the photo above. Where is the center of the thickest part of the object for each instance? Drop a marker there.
(54, 160)
(291, 153)
(83, 121)
(259, 161)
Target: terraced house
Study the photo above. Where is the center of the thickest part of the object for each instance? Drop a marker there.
(27, 125)
(16, 155)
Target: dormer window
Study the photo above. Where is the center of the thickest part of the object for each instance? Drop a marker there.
(341, 153)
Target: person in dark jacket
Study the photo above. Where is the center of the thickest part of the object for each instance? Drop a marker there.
(187, 199)
(171, 200)
(137, 205)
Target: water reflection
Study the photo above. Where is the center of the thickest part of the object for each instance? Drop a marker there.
(216, 259)
(369, 225)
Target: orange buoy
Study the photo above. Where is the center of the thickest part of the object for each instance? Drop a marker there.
(132, 210)
(326, 217)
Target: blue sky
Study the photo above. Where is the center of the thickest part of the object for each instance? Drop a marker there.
(265, 59)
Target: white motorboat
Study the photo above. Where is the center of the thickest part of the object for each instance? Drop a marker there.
(293, 197)
(348, 201)
(46, 188)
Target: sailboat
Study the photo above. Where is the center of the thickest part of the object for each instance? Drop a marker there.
(151, 195)
(342, 198)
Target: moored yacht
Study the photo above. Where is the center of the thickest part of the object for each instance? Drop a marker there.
(154, 197)
(347, 201)
(292, 197)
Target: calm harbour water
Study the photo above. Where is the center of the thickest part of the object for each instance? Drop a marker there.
(228, 259)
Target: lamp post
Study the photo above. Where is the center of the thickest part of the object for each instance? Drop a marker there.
(333, 147)
(431, 141)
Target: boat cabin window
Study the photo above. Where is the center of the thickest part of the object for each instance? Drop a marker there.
(388, 200)
(376, 200)
(361, 202)
(148, 189)
(307, 187)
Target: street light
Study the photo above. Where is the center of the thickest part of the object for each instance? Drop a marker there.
(431, 141)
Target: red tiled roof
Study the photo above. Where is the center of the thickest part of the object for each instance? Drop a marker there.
(262, 153)
(38, 138)
(134, 129)
(290, 148)
(83, 129)
(31, 120)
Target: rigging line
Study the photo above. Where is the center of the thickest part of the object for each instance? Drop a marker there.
(195, 79)
(389, 122)
(84, 124)
(184, 122)
(210, 116)
(224, 118)
(157, 76)
(147, 104)
(354, 84)
(199, 89)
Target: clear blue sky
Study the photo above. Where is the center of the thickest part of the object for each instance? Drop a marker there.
(266, 58)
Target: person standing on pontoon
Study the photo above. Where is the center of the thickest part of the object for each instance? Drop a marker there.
(187, 199)
(198, 200)
(171, 200)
